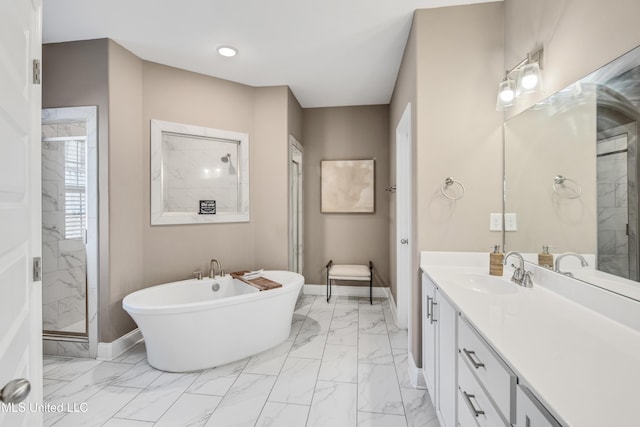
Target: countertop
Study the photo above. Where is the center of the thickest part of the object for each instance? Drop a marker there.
(583, 366)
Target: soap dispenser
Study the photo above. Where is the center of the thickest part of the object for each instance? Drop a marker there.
(496, 259)
(545, 259)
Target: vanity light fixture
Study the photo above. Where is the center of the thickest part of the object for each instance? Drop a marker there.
(529, 80)
(227, 51)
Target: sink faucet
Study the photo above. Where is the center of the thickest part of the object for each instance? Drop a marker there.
(583, 262)
(212, 270)
(520, 276)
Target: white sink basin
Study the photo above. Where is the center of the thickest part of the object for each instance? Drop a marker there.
(485, 284)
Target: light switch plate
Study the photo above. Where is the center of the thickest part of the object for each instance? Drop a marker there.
(510, 222)
(495, 222)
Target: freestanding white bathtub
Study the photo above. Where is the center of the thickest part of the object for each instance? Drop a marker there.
(188, 325)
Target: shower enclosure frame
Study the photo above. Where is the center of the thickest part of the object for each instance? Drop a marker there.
(60, 343)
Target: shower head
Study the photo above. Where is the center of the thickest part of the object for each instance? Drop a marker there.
(225, 159)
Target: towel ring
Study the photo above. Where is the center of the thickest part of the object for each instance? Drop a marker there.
(560, 180)
(448, 183)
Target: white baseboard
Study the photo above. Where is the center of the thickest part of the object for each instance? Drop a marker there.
(415, 374)
(392, 305)
(110, 350)
(346, 291)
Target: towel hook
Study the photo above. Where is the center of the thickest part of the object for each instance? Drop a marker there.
(559, 180)
(448, 183)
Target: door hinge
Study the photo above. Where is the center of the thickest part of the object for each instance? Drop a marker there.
(37, 269)
(36, 71)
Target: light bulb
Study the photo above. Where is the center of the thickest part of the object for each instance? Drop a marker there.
(530, 81)
(227, 51)
(507, 94)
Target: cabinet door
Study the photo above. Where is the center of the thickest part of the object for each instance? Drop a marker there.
(429, 336)
(530, 413)
(447, 356)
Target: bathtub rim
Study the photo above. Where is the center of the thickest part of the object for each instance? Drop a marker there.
(296, 282)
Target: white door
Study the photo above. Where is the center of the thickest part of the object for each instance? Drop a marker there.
(296, 243)
(20, 217)
(403, 218)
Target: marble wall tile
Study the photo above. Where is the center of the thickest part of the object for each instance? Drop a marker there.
(282, 414)
(243, 403)
(49, 257)
(296, 381)
(73, 349)
(606, 242)
(621, 195)
(378, 389)
(49, 131)
(50, 196)
(334, 404)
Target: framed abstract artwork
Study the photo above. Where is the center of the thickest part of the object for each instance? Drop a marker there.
(347, 186)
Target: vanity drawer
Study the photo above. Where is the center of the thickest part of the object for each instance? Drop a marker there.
(474, 406)
(530, 412)
(490, 370)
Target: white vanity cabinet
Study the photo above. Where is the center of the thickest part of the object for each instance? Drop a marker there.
(439, 350)
(486, 384)
(530, 413)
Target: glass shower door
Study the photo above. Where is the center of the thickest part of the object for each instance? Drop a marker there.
(64, 224)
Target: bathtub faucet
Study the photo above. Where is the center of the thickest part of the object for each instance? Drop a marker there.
(212, 270)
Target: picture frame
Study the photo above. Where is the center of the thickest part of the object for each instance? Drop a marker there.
(347, 186)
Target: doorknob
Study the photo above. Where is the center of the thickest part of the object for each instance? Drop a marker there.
(15, 391)
(404, 241)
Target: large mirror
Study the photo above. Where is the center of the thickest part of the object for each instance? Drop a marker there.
(571, 175)
(198, 175)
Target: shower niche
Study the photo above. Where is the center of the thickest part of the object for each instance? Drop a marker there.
(198, 175)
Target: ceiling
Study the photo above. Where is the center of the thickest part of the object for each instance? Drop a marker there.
(329, 52)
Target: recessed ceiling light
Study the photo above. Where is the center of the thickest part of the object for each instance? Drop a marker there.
(227, 51)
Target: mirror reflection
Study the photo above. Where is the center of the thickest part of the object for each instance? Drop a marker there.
(571, 173)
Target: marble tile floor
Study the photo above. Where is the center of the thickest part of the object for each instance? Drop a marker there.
(344, 364)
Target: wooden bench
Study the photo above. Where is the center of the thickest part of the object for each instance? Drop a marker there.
(360, 273)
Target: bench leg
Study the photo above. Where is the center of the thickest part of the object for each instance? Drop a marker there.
(371, 290)
(328, 288)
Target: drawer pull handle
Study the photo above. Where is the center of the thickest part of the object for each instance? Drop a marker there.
(429, 299)
(433, 317)
(476, 364)
(467, 398)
